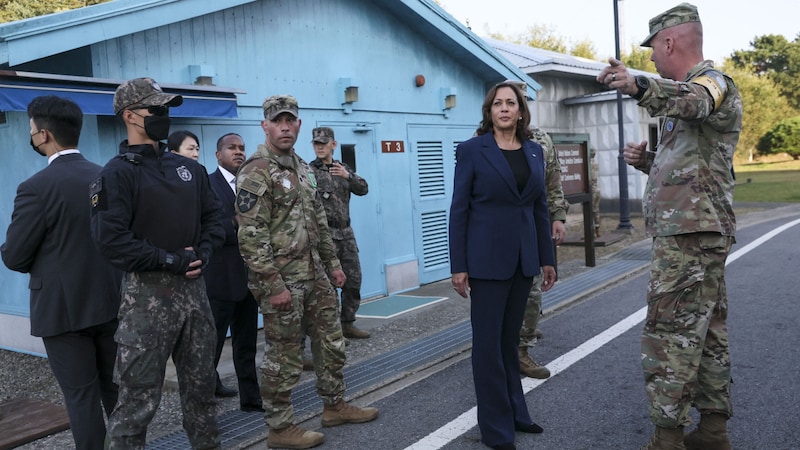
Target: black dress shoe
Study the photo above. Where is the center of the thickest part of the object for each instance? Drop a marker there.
(251, 407)
(223, 391)
(504, 447)
(532, 428)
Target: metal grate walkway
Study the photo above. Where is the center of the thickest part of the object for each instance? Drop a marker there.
(237, 427)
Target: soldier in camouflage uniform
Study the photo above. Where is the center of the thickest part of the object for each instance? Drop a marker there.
(155, 216)
(285, 241)
(558, 207)
(595, 174)
(335, 182)
(688, 209)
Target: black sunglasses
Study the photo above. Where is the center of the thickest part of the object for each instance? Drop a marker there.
(154, 110)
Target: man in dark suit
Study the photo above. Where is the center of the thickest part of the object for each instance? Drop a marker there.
(74, 291)
(226, 282)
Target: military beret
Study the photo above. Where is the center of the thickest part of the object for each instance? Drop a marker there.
(683, 13)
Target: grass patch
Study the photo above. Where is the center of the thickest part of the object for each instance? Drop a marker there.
(781, 186)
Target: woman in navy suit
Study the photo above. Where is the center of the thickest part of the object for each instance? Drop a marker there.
(499, 239)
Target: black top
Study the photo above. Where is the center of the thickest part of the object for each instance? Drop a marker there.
(148, 202)
(519, 166)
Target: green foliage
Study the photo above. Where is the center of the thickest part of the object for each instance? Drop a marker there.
(784, 137)
(638, 58)
(11, 10)
(584, 49)
(762, 107)
(777, 58)
(544, 37)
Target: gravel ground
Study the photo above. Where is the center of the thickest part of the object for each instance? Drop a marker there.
(30, 376)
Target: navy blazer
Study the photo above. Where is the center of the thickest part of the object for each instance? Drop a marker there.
(493, 227)
(72, 285)
(226, 273)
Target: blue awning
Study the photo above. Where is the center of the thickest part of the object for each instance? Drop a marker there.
(16, 94)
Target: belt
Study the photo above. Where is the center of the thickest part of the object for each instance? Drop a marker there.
(337, 224)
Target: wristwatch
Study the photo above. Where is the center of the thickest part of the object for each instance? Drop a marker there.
(350, 176)
(642, 84)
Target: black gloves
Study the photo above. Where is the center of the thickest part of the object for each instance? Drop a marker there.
(204, 254)
(178, 261)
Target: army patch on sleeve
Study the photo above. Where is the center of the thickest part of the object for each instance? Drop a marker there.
(245, 200)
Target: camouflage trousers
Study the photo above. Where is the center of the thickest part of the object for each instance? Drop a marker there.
(315, 312)
(162, 314)
(685, 353)
(347, 252)
(533, 310)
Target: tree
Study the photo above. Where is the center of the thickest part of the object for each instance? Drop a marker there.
(541, 36)
(584, 49)
(762, 107)
(777, 58)
(638, 58)
(784, 137)
(11, 10)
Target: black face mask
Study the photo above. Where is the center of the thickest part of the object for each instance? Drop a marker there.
(157, 127)
(36, 148)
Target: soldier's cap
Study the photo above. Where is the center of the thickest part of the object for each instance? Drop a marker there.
(683, 13)
(145, 92)
(322, 135)
(278, 104)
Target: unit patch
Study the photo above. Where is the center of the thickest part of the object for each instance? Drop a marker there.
(184, 173)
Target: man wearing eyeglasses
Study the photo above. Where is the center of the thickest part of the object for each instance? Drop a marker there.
(155, 216)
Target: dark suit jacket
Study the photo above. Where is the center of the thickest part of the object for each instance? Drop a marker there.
(72, 285)
(494, 227)
(226, 274)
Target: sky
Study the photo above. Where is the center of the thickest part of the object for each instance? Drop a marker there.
(728, 25)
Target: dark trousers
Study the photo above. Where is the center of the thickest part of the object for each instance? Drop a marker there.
(498, 307)
(83, 363)
(242, 318)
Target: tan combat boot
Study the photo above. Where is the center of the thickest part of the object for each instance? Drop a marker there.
(343, 412)
(350, 331)
(711, 434)
(529, 368)
(666, 439)
(294, 437)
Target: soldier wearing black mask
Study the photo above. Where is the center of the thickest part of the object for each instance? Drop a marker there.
(155, 216)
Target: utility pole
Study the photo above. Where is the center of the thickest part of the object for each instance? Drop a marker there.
(624, 206)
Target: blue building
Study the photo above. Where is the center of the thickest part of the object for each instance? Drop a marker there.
(400, 81)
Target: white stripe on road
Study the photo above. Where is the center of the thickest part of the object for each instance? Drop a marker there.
(463, 423)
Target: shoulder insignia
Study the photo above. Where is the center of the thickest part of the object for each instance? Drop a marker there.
(714, 82)
(245, 200)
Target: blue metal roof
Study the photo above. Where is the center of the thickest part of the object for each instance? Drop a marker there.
(31, 39)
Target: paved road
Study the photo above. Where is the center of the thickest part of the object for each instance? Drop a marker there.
(595, 400)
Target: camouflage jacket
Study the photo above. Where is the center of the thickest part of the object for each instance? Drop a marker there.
(690, 183)
(283, 231)
(556, 202)
(335, 192)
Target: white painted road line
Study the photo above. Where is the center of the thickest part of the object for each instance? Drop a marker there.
(463, 423)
